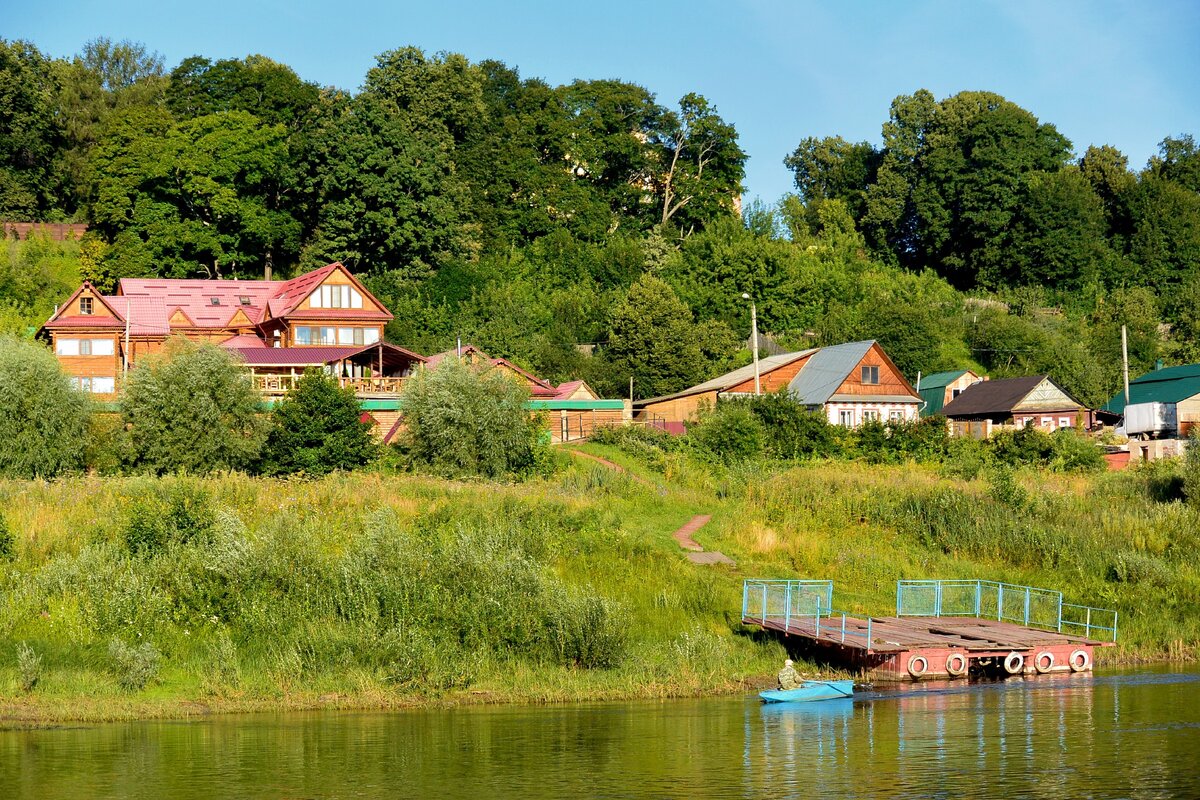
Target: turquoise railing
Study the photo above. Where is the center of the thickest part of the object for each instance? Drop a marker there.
(807, 603)
(1024, 605)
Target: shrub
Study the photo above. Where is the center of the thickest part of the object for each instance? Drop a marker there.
(191, 408)
(965, 458)
(43, 421)
(728, 434)
(587, 631)
(465, 420)
(1028, 446)
(29, 667)
(180, 512)
(1071, 452)
(223, 661)
(8, 545)
(795, 432)
(316, 429)
(1191, 469)
(1004, 488)
(133, 667)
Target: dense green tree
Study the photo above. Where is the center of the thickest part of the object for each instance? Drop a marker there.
(31, 134)
(202, 196)
(270, 91)
(1164, 247)
(652, 339)
(461, 420)
(1107, 170)
(835, 169)
(191, 408)
(1056, 237)
(35, 275)
(43, 430)
(700, 165)
(317, 428)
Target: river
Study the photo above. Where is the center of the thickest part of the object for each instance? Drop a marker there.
(1132, 733)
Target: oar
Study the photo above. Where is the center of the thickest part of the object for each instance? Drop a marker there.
(831, 683)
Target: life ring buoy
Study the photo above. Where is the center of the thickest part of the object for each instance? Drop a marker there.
(1079, 661)
(1014, 663)
(1044, 662)
(956, 664)
(917, 666)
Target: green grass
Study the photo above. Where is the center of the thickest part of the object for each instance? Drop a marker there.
(370, 590)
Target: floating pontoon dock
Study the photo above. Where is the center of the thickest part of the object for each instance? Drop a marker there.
(942, 629)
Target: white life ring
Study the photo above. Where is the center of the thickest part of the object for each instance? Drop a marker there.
(1047, 657)
(915, 670)
(1013, 663)
(956, 664)
(1080, 660)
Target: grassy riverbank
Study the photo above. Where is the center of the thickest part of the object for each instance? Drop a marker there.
(229, 594)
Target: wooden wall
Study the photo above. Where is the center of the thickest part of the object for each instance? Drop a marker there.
(891, 382)
(772, 381)
(680, 409)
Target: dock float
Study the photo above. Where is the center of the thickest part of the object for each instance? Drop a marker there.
(941, 630)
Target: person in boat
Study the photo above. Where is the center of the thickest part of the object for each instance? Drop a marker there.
(788, 677)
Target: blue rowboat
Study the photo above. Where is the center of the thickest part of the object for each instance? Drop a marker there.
(810, 691)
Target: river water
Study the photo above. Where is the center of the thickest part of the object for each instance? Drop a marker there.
(1111, 734)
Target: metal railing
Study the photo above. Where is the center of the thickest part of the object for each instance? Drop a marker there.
(281, 384)
(1024, 605)
(804, 603)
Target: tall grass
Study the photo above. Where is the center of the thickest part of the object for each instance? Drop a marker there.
(372, 589)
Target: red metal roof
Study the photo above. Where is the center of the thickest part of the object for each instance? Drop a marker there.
(86, 321)
(339, 313)
(313, 356)
(243, 341)
(147, 315)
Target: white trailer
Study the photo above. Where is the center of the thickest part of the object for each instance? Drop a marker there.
(1149, 420)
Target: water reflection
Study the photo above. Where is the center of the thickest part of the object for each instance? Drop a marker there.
(1133, 735)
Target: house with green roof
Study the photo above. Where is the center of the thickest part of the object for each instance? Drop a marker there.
(940, 388)
(1173, 386)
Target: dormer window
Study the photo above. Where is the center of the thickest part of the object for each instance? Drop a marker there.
(244, 300)
(216, 301)
(85, 305)
(341, 296)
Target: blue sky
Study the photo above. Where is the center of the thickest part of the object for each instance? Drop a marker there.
(1103, 72)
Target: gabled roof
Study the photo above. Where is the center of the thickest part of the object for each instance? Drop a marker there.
(60, 320)
(998, 396)
(826, 371)
(933, 389)
(734, 377)
(539, 387)
(1170, 385)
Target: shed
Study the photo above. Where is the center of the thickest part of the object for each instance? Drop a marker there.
(940, 388)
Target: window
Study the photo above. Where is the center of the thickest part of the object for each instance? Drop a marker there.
(896, 416)
(83, 347)
(85, 305)
(1048, 422)
(303, 334)
(346, 336)
(1064, 422)
(870, 375)
(244, 300)
(327, 336)
(335, 297)
(955, 393)
(870, 415)
(370, 335)
(846, 419)
(216, 301)
(95, 385)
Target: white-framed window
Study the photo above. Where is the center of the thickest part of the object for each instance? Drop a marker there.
(870, 375)
(846, 418)
(896, 416)
(86, 306)
(870, 415)
(370, 335)
(1048, 422)
(346, 336)
(336, 296)
(302, 334)
(95, 385)
(955, 393)
(1064, 422)
(83, 347)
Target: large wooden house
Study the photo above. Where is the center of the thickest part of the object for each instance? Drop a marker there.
(849, 383)
(325, 318)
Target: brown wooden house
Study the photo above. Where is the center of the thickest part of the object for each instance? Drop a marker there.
(1033, 400)
(850, 383)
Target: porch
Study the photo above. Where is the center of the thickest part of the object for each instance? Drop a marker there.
(276, 385)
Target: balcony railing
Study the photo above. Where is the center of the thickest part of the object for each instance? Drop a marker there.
(280, 384)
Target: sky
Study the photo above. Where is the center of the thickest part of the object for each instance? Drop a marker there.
(1103, 72)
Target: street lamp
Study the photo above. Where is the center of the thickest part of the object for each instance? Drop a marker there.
(754, 341)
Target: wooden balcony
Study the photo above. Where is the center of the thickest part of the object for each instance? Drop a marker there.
(275, 385)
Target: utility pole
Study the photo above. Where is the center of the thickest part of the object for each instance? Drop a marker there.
(754, 341)
(1125, 361)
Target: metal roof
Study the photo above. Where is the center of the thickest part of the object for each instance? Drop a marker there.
(826, 371)
(314, 356)
(1170, 385)
(933, 389)
(998, 397)
(731, 379)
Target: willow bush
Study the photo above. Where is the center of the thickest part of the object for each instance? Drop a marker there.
(43, 421)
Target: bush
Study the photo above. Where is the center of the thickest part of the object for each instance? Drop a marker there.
(179, 512)
(1004, 488)
(587, 631)
(1191, 469)
(43, 421)
(133, 667)
(1028, 446)
(464, 420)
(191, 408)
(8, 545)
(795, 432)
(29, 667)
(729, 433)
(1071, 452)
(965, 458)
(316, 429)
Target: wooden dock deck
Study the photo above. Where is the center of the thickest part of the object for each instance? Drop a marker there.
(929, 645)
